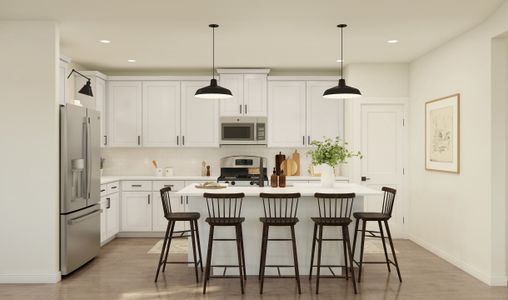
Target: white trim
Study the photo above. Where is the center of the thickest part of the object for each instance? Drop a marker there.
(156, 78)
(30, 278)
(65, 59)
(304, 78)
(243, 71)
(464, 266)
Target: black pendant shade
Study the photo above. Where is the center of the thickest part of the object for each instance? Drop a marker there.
(342, 91)
(86, 89)
(213, 91)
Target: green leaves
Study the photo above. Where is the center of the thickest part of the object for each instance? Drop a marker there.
(331, 152)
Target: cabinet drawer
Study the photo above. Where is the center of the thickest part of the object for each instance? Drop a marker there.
(113, 187)
(175, 185)
(104, 189)
(136, 186)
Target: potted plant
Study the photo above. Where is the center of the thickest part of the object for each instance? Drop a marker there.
(328, 154)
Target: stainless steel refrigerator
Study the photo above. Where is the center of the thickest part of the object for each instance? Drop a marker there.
(79, 186)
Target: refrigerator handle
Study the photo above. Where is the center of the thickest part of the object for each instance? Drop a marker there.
(88, 158)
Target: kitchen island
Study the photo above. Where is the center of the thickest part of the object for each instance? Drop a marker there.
(279, 252)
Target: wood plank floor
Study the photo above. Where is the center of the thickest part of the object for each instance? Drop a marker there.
(124, 270)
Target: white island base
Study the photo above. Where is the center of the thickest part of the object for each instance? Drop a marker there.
(279, 252)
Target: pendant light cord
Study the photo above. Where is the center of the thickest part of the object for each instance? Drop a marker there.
(213, 52)
(342, 53)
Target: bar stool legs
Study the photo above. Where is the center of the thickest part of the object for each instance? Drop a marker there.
(393, 250)
(168, 229)
(295, 258)
(240, 256)
(208, 258)
(313, 249)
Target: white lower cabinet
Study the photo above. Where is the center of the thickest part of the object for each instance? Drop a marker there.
(110, 215)
(137, 211)
(159, 222)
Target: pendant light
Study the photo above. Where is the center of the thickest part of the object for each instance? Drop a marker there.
(342, 91)
(213, 91)
(87, 88)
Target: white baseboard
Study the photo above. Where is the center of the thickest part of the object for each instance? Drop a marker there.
(30, 278)
(464, 266)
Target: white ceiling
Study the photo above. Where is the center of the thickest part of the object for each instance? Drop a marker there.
(164, 35)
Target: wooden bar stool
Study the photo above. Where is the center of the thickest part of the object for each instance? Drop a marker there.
(382, 217)
(280, 210)
(334, 211)
(225, 210)
(173, 217)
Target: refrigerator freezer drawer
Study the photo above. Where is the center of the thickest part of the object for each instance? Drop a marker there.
(79, 238)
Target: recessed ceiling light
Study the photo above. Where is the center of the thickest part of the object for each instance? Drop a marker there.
(392, 41)
(131, 60)
(105, 41)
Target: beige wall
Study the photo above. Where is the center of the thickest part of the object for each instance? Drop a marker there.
(29, 222)
(458, 216)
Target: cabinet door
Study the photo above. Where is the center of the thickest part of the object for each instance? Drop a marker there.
(161, 113)
(104, 222)
(254, 95)
(113, 215)
(100, 106)
(124, 113)
(200, 117)
(136, 211)
(325, 117)
(232, 107)
(286, 114)
(159, 221)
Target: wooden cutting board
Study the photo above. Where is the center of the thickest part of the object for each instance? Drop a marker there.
(289, 167)
(296, 158)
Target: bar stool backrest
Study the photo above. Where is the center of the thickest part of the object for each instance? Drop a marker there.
(280, 206)
(166, 201)
(224, 205)
(335, 205)
(388, 200)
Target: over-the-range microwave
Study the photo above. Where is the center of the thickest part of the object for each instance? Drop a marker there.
(243, 131)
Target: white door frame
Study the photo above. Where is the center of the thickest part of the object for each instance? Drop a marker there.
(353, 137)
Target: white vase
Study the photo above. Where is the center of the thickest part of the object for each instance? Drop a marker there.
(327, 175)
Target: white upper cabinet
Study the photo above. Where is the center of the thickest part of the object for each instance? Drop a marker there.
(232, 107)
(161, 113)
(254, 95)
(325, 117)
(124, 113)
(199, 117)
(100, 106)
(249, 93)
(286, 114)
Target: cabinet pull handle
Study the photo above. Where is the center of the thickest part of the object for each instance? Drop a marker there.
(113, 187)
(109, 203)
(181, 200)
(245, 108)
(183, 140)
(308, 140)
(303, 140)
(148, 199)
(240, 109)
(168, 185)
(135, 185)
(103, 191)
(177, 140)
(186, 199)
(139, 140)
(105, 140)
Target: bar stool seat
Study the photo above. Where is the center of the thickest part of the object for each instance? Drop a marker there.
(332, 221)
(279, 221)
(183, 216)
(224, 221)
(371, 216)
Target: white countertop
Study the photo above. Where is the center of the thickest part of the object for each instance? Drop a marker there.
(109, 179)
(306, 190)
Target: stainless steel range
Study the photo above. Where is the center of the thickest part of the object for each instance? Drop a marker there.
(243, 170)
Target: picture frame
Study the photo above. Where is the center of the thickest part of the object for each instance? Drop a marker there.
(442, 134)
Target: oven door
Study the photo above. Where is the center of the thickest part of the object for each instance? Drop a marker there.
(238, 133)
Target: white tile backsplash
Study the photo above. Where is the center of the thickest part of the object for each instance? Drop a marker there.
(186, 161)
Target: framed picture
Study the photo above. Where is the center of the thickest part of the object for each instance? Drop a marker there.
(442, 134)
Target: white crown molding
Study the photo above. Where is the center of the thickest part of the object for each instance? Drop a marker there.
(304, 78)
(30, 278)
(65, 59)
(158, 78)
(243, 71)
